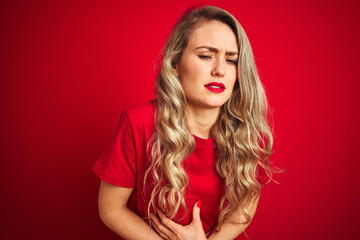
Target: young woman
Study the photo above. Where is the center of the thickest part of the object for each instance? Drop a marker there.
(201, 143)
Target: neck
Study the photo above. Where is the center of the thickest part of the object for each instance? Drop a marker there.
(201, 120)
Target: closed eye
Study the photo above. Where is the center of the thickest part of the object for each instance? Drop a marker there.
(205, 56)
(232, 61)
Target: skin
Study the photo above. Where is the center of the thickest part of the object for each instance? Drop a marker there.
(210, 56)
(171, 230)
(116, 216)
(232, 228)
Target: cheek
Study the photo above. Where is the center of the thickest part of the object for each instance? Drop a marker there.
(233, 78)
(193, 73)
(233, 84)
(191, 66)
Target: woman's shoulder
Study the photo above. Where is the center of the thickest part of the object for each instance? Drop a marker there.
(143, 109)
(141, 113)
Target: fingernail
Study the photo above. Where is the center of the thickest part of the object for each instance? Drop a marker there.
(198, 204)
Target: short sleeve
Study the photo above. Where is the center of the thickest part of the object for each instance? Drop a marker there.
(117, 163)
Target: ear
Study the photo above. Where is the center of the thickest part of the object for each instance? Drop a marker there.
(176, 71)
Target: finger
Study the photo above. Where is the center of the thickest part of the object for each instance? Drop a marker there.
(161, 234)
(155, 223)
(196, 213)
(174, 227)
(162, 230)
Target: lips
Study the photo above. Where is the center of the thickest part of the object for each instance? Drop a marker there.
(215, 87)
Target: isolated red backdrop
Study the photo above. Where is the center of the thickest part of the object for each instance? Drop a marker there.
(69, 68)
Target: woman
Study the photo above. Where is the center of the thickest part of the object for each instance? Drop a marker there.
(201, 143)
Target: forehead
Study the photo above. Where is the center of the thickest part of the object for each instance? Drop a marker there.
(214, 33)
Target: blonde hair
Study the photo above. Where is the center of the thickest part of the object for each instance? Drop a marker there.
(242, 134)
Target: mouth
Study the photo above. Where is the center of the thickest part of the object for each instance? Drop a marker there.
(215, 87)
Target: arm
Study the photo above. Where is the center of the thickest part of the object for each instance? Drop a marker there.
(233, 227)
(115, 215)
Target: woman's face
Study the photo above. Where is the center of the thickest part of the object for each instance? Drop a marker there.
(208, 66)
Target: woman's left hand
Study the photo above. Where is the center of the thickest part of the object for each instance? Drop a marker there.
(168, 229)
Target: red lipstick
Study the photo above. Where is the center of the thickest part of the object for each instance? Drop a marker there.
(215, 87)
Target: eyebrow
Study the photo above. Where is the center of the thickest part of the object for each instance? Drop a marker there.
(212, 49)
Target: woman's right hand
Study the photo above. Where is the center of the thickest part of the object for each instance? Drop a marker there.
(168, 229)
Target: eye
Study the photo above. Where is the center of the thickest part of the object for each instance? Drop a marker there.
(203, 56)
(232, 61)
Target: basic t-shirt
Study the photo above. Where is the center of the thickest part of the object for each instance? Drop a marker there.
(126, 159)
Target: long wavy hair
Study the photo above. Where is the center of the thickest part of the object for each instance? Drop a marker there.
(241, 133)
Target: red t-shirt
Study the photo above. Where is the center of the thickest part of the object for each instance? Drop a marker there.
(124, 163)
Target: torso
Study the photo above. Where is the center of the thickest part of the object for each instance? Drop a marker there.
(137, 123)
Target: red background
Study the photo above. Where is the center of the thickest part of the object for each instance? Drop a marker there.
(69, 68)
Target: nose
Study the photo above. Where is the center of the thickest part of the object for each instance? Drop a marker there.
(218, 68)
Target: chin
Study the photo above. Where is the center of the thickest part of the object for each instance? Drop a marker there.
(208, 103)
(215, 104)
(218, 102)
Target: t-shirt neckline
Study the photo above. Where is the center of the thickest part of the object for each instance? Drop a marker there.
(203, 142)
